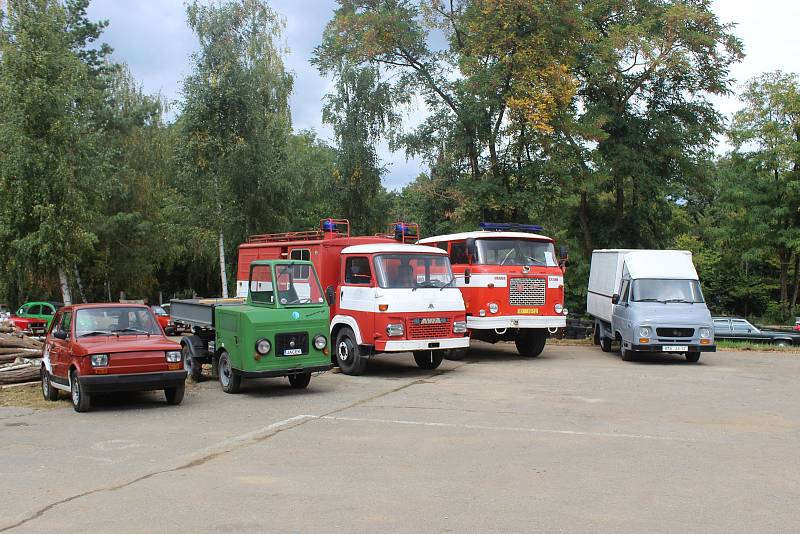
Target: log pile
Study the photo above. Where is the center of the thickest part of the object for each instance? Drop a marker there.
(20, 356)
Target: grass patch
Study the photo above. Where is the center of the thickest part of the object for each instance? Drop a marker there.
(757, 347)
(27, 396)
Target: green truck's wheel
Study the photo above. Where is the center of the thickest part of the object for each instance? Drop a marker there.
(193, 367)
(300, 380)
(348, 354)
(230, 381)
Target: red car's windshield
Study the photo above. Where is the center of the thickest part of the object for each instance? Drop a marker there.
(123, 320)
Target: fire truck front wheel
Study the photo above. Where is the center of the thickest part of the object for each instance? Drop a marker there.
(428, 359)
(348, 354)
(530, 343)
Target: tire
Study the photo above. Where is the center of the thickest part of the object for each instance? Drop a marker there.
(781, 343)
(692, 357)
(348, 353)
(81, 400)
(627, 355)
(605, 344)
(230, 381)
(530, 344)
(48, 391)
(596, 340)
(194, 369)
(300, 380)
(428, 359)
(175, 395)
(456, 354)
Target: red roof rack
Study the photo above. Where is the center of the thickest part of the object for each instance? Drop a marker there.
(329, 229)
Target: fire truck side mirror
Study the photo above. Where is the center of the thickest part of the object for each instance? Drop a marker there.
(563, 256)
(467, 275)
(330, 295)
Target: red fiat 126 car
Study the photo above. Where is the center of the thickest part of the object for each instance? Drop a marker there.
(101, 348)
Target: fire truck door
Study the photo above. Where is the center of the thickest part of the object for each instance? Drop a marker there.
(357, 294)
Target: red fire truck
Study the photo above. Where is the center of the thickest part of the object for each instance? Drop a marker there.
(385, 295)
(512, 282)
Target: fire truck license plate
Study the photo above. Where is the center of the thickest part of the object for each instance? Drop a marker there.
(292, 352)
(430, 320)
(528, 311)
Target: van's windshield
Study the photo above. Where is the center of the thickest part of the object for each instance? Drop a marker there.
(504, 251)
(666, 291)
(413, 270)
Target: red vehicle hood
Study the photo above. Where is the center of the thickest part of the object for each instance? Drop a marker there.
(141, 343)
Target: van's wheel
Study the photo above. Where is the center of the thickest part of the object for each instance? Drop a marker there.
(530, 343)
(175, 395)
(193, 367)
(230, 381)
(81, 400)
(48, 391)
(627, 355)
(456, 354)
(428, 359)
(692, 357)
(300, 380)
(348, 353)
(605, 344)
(596, 340)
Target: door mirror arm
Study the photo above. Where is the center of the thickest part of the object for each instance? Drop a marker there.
(467, 275)
(330, 295)
(60, 334)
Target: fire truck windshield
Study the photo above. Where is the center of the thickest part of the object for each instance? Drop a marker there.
(503, 251)
(413, 271)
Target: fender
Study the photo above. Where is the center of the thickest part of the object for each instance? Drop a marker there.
(349, 321)
(196, 346)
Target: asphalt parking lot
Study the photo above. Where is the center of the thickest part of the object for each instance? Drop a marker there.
(573, 441)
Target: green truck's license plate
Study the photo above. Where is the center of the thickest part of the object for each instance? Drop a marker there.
(292, 352)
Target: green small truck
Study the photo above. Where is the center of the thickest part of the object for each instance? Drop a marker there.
(282, 328)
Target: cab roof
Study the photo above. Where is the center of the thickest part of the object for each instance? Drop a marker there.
(107, 305)
(484, 234)
(392, 247)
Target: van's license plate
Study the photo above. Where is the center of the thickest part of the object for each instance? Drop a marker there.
(292, 352)
(675, 348)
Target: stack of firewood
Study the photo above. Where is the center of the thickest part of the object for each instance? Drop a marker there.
(20, 356)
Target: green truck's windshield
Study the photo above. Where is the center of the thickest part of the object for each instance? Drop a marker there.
(292, 285)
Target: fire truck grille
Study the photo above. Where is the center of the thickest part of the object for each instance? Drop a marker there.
(526, 291)
(429, 328)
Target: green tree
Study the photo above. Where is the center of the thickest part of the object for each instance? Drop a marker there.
(235, 123)
(52, 151)
(766, 138)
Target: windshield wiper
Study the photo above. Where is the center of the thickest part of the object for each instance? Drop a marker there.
(680, 300)
(451, 283)
(134, 330)
(536, 261)
(651, 300)
(96, 333)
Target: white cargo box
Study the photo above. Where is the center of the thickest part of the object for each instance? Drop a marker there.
(610, 266)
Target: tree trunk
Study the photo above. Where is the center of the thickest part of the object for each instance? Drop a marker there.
(784, 276)
(66, 296)
(583, 218)
(796, 280)
(620, 208)
(79, 282)
(222, 273)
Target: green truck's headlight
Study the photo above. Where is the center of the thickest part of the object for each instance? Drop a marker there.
(263, 346)
(320, 342)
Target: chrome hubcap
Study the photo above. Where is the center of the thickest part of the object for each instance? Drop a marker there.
(45, 384)
(224, 371)
(76, 396)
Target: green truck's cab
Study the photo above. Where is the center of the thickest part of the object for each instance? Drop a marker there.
(281, 329)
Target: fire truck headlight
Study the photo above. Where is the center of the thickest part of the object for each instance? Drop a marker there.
(320, 342)
(559, 308)
(493, 307)
(394, 329)
(459, 327)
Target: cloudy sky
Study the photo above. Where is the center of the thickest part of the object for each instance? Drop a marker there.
(152, 37)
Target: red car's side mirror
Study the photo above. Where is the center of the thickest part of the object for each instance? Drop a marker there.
(60, 334)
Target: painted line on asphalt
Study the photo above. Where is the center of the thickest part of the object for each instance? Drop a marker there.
(507, 428)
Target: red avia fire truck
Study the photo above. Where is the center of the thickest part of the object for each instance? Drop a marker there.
(384, 295)
(512, 282)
